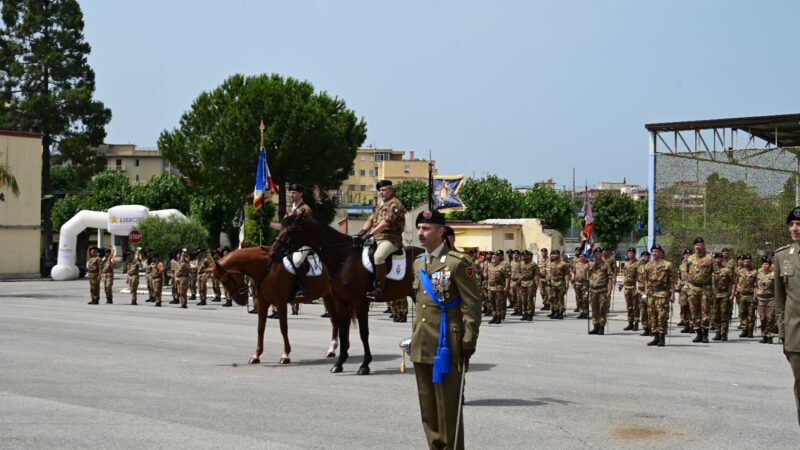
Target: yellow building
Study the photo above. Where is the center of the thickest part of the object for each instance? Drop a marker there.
(373, 164)
(504, 234)
(20, 215)
(138, 164)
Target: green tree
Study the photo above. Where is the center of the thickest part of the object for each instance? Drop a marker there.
(165, 235)
(543, 202)
(411, 193)
(161, 192)
(256, 225)
(311, 138)
(488, 198)
(108, 189)
(614, 217)
(64, 180)
(641, 216)
(67, 206)
(47, 85)
(216, 213)
(7, 179)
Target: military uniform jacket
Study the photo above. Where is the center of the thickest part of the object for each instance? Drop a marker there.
(133, 267)
(641, 274)
(659, 276)
(683, 273)
(182, 269)
(452, 272)
(108, 266)
(393, 212)
(787, 294)
(723, 278)
(629, 272)
(93, 265)
(557, 273)
(300, 210)
(700, 270)
(765, 282)
(157, 272)
(580, 272)
(544, 270)
(599, 274)
(747, 281)
(496, 275)
(515, 273)
(529, 272)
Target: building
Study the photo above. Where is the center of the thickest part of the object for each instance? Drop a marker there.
(373, 164)
(138, 164)
(633, 191)
(20, 215)
(503, 234)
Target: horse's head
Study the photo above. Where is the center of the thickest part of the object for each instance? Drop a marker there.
(233, 280)
(289, 238)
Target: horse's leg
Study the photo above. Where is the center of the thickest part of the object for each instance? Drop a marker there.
(285, 332)
(343, 317)
(261, 308)
(334, 327)
(363, 331)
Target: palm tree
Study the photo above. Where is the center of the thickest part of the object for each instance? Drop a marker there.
(7, 179)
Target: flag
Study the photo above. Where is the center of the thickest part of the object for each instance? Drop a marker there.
(444, 193)
(264, 186)
(587, 243)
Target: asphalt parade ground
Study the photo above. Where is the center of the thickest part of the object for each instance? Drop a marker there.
(121, 376)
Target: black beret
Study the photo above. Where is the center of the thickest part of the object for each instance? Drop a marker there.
(793, 215)
(93, 247)
(544, 249)
(383, 183)
(433, 217)
(747, 256)
(645, 253)
(765, 259)
(598, 250)
(717, 255)
(632, 249)
(687, 251)
(698, 240)
(297, 187)
(657, 247)
(556, 252)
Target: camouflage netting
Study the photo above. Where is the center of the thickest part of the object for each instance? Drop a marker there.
(736, 199)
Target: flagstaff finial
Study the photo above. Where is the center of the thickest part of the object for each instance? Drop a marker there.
(261, 129)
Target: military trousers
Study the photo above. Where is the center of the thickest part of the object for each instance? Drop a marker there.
(149, 286)
(599, 303)
(513, 295)
(683, 301)
(766, 311)
(659, 311)
(158, 285)
(525, 300)
(545, 290)
(181, 285)
(722, 313)
(193, 283)
(497, 299)
(581, 295)
(794, 361)
(747, 311)
(438, 406)
(632, 304)
(202, 286)
(215, 287)
(699, 300)
(557, 292)
(94, 286)
(108, 285)
(133, 285)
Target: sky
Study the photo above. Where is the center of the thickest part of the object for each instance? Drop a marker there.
(525, 90)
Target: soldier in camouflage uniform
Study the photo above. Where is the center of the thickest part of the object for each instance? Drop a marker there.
(660, 288)
(683, 292)
(93, 273)
(765, 292)
(147, 269)
(640, 287)
(700, 267)
(157, 278)
(558, 271)
(723, 288)
(133, 266)
(182, 278)
(215, 255)
(108, 275)
(513, 265)
(400, 309)
(480, 274)
(529, 277)
(174, 263)
(203, 264)
(580, 282)
(499, 282)
(544, 261)
(601, 282)
(629, 274)
(745, 289)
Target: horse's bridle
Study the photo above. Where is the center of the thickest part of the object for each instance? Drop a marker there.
(241, 288)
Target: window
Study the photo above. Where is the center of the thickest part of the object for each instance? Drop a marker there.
(352, 187)
(406, 169)
(508, 236)
(119, 162)
(352, 172)
(373, 172)
(362, 173)
(363, 188)
(363, 157)
(137, 176)
(136, 164)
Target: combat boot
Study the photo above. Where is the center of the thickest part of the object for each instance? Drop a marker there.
(217, 299)
(109, 301)
(705, 335)
(576, 310)
(530, 318)
(552, 315)
(662, 340)
(687, 329)
(656, 337)
(635, 326)
(699, 337)
(175, 301)
(228, 303)
(646, 332)
(681, 323)
(94, 302)
(750, 331)
(745, 332)
(769, 340)
(595, 330)
(546, 307)
(524, 317)
(601, 330)
(150, 300)
(561, 315)
(389, 310)
(724, 336)
(516, 313)
(717, 336)
(202, 302)
(629, 327)
(494, 320)
(763, 340)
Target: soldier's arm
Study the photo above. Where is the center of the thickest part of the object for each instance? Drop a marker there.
(780, 297)
(470, 307)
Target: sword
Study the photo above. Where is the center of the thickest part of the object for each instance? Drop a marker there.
(460, 400)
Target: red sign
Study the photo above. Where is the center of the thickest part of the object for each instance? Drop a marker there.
(135, 236)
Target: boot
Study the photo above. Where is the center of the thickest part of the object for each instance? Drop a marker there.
(175, 301)
(184, 306)
(662, 340)
(93, 302)
(228, 303)
(681, 323)
(301, 272)
(158, 305)
(576, 310)
(546, 307)
(763, 340)
(560, 315)
(595, 330)
(133, 303)
(724, 336)
(193, 297)
(150, 300)
(687, 329)
(524, 317)
(750, 332)
(202, 302)
(745, 332)
(629, 327)
(769, 340)
(389, 310)
(646, 332)
(705, 335)
(217, 299)
(718, 336)
(325, 315)
(699, 337)
(601, 330)
(376, 295)
(109, 301)
(635, 326)
(656, 338)
(403, 318)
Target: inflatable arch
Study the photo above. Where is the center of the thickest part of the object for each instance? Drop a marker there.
(118, 220)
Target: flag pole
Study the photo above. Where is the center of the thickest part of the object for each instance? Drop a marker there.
(430, 181)
(261, 129)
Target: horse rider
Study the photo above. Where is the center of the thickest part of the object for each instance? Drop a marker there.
(299, 208)
(386, 225)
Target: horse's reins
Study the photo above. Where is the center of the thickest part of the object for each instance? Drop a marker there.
(318, 250)
(242, 288)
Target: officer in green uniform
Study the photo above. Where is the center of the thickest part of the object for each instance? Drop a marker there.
(683, 292)
(580, 282)
(203, 264)
(108, 275)
(659, 285)
(544, 262)
(644, 309)
(93, 273)
(182, 277)
(558, 273)
(787, 298)
(134, 265)
(529, 276)
(445, 331)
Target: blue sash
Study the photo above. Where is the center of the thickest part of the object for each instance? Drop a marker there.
(441, 362)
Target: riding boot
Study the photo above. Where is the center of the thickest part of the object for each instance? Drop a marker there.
(661, 340)
(656, 337)
(718, 336)
(376, 295)
(705, 335)
(301, 272)
(595, 330)
(699, 337)
(629, 327)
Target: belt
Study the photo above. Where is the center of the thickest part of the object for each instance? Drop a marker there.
(766, 297)
(700, 286)
(746, 292)
(658, 288)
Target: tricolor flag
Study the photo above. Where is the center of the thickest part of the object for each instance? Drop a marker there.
(264, 186)
(587, 244)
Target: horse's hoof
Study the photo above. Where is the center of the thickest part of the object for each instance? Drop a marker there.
(336, 369)
(284, 361)
(255, 361)
(331, 355)
(363, 370)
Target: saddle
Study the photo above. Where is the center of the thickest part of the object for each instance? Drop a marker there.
(395, 263)
(312, 262)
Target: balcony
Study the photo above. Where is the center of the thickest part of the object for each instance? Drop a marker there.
(117, 167)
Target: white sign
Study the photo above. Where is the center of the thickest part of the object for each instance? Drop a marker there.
(121, 219)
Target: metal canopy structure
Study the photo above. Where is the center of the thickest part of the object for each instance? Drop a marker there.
(769, 143)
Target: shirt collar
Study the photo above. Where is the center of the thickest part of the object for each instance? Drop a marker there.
(437, 251)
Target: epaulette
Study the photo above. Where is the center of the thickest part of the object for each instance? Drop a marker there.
(462, 256)
(780, 249)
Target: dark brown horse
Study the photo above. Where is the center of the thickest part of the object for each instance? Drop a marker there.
(274, 285)
(341, 256)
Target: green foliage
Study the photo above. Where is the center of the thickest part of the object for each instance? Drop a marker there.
(641, 216)
(614, 217)
(216, 213)
(543, 202)
(165, 235)
(411, 193)
(310, 137)
(256, 225)
(489, 198)
(7, 179)
(108, 189)
(324, 208)
(64, 180)
(67, 206)
(161, 192)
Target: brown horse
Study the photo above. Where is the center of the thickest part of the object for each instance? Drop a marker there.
(274, 285)
(341, 256)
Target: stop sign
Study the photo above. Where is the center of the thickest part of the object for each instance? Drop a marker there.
(135, 236)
